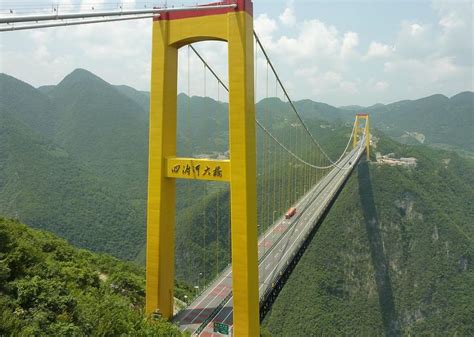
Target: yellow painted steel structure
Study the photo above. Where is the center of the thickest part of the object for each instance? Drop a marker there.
(172, 31)
(202, 169)
(359, 131)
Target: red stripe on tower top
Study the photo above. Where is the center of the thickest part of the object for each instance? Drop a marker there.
(242, 5)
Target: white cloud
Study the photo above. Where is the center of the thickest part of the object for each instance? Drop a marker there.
(416, 29)
(424, 72)
(314, 39)
(377, 49)
(264, 26)
(456, 24)
(350, 41)
(315, 59)
(349, 87)
(454, 14)
(380, 86)
(288, 17)
(416, 39)
(116, 51)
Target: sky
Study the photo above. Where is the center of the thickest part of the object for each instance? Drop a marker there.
(336, 52)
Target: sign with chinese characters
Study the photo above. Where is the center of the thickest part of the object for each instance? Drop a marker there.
(203, 169)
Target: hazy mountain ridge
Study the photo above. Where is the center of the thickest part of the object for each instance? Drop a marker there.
(441, 120)
(104, 129)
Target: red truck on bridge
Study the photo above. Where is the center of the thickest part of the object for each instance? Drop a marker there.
(290, 212)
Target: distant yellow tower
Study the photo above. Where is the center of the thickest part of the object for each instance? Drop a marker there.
(358, 131)
(172, 31)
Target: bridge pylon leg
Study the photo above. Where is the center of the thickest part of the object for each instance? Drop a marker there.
(161, 190)
(243, 177)
(172, 31)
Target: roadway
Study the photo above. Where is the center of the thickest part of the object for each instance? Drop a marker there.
(276, 249)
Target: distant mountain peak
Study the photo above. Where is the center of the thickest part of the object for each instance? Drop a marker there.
(7, 80)
(80, 75)
(463, 95)
(439, 97)
(375, 106)
(352, 107)
(82, 72)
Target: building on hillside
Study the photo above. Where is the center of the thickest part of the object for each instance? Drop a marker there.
(390, 160)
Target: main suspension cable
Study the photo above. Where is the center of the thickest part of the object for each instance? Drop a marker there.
(334, 164)
(289, 99)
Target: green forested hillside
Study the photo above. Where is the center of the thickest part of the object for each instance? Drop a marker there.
(74, 158)
(435, 120)
(103, 129)
(84, 177)
(28, 105)
(41, 184)
(49, 288)
(442, 121)
(142, 98)
(393, 257)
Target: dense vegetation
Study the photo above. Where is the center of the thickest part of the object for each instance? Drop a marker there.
(74, 156)
(444, 122)
(393, 257)
(43, 186)
(71, 133)
(49, 288)
(436, 120)
(86, 141)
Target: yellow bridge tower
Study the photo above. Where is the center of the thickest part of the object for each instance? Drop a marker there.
(172, 31)
(358, 131)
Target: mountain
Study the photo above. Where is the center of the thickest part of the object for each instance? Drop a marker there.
(352, 107)
(103, 129)
(392, 258)
(91, 120)
(27, 104)
(142, 98)
(49, 288)
(42, 184)
(74, 158)
(435, 120)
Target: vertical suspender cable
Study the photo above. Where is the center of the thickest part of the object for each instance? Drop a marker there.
(204, 268)
(274, 167)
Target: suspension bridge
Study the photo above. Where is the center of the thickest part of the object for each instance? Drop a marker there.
(281, 180)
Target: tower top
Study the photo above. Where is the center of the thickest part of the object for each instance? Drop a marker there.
(240, 6)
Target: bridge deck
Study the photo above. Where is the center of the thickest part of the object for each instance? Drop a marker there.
(277, 248)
